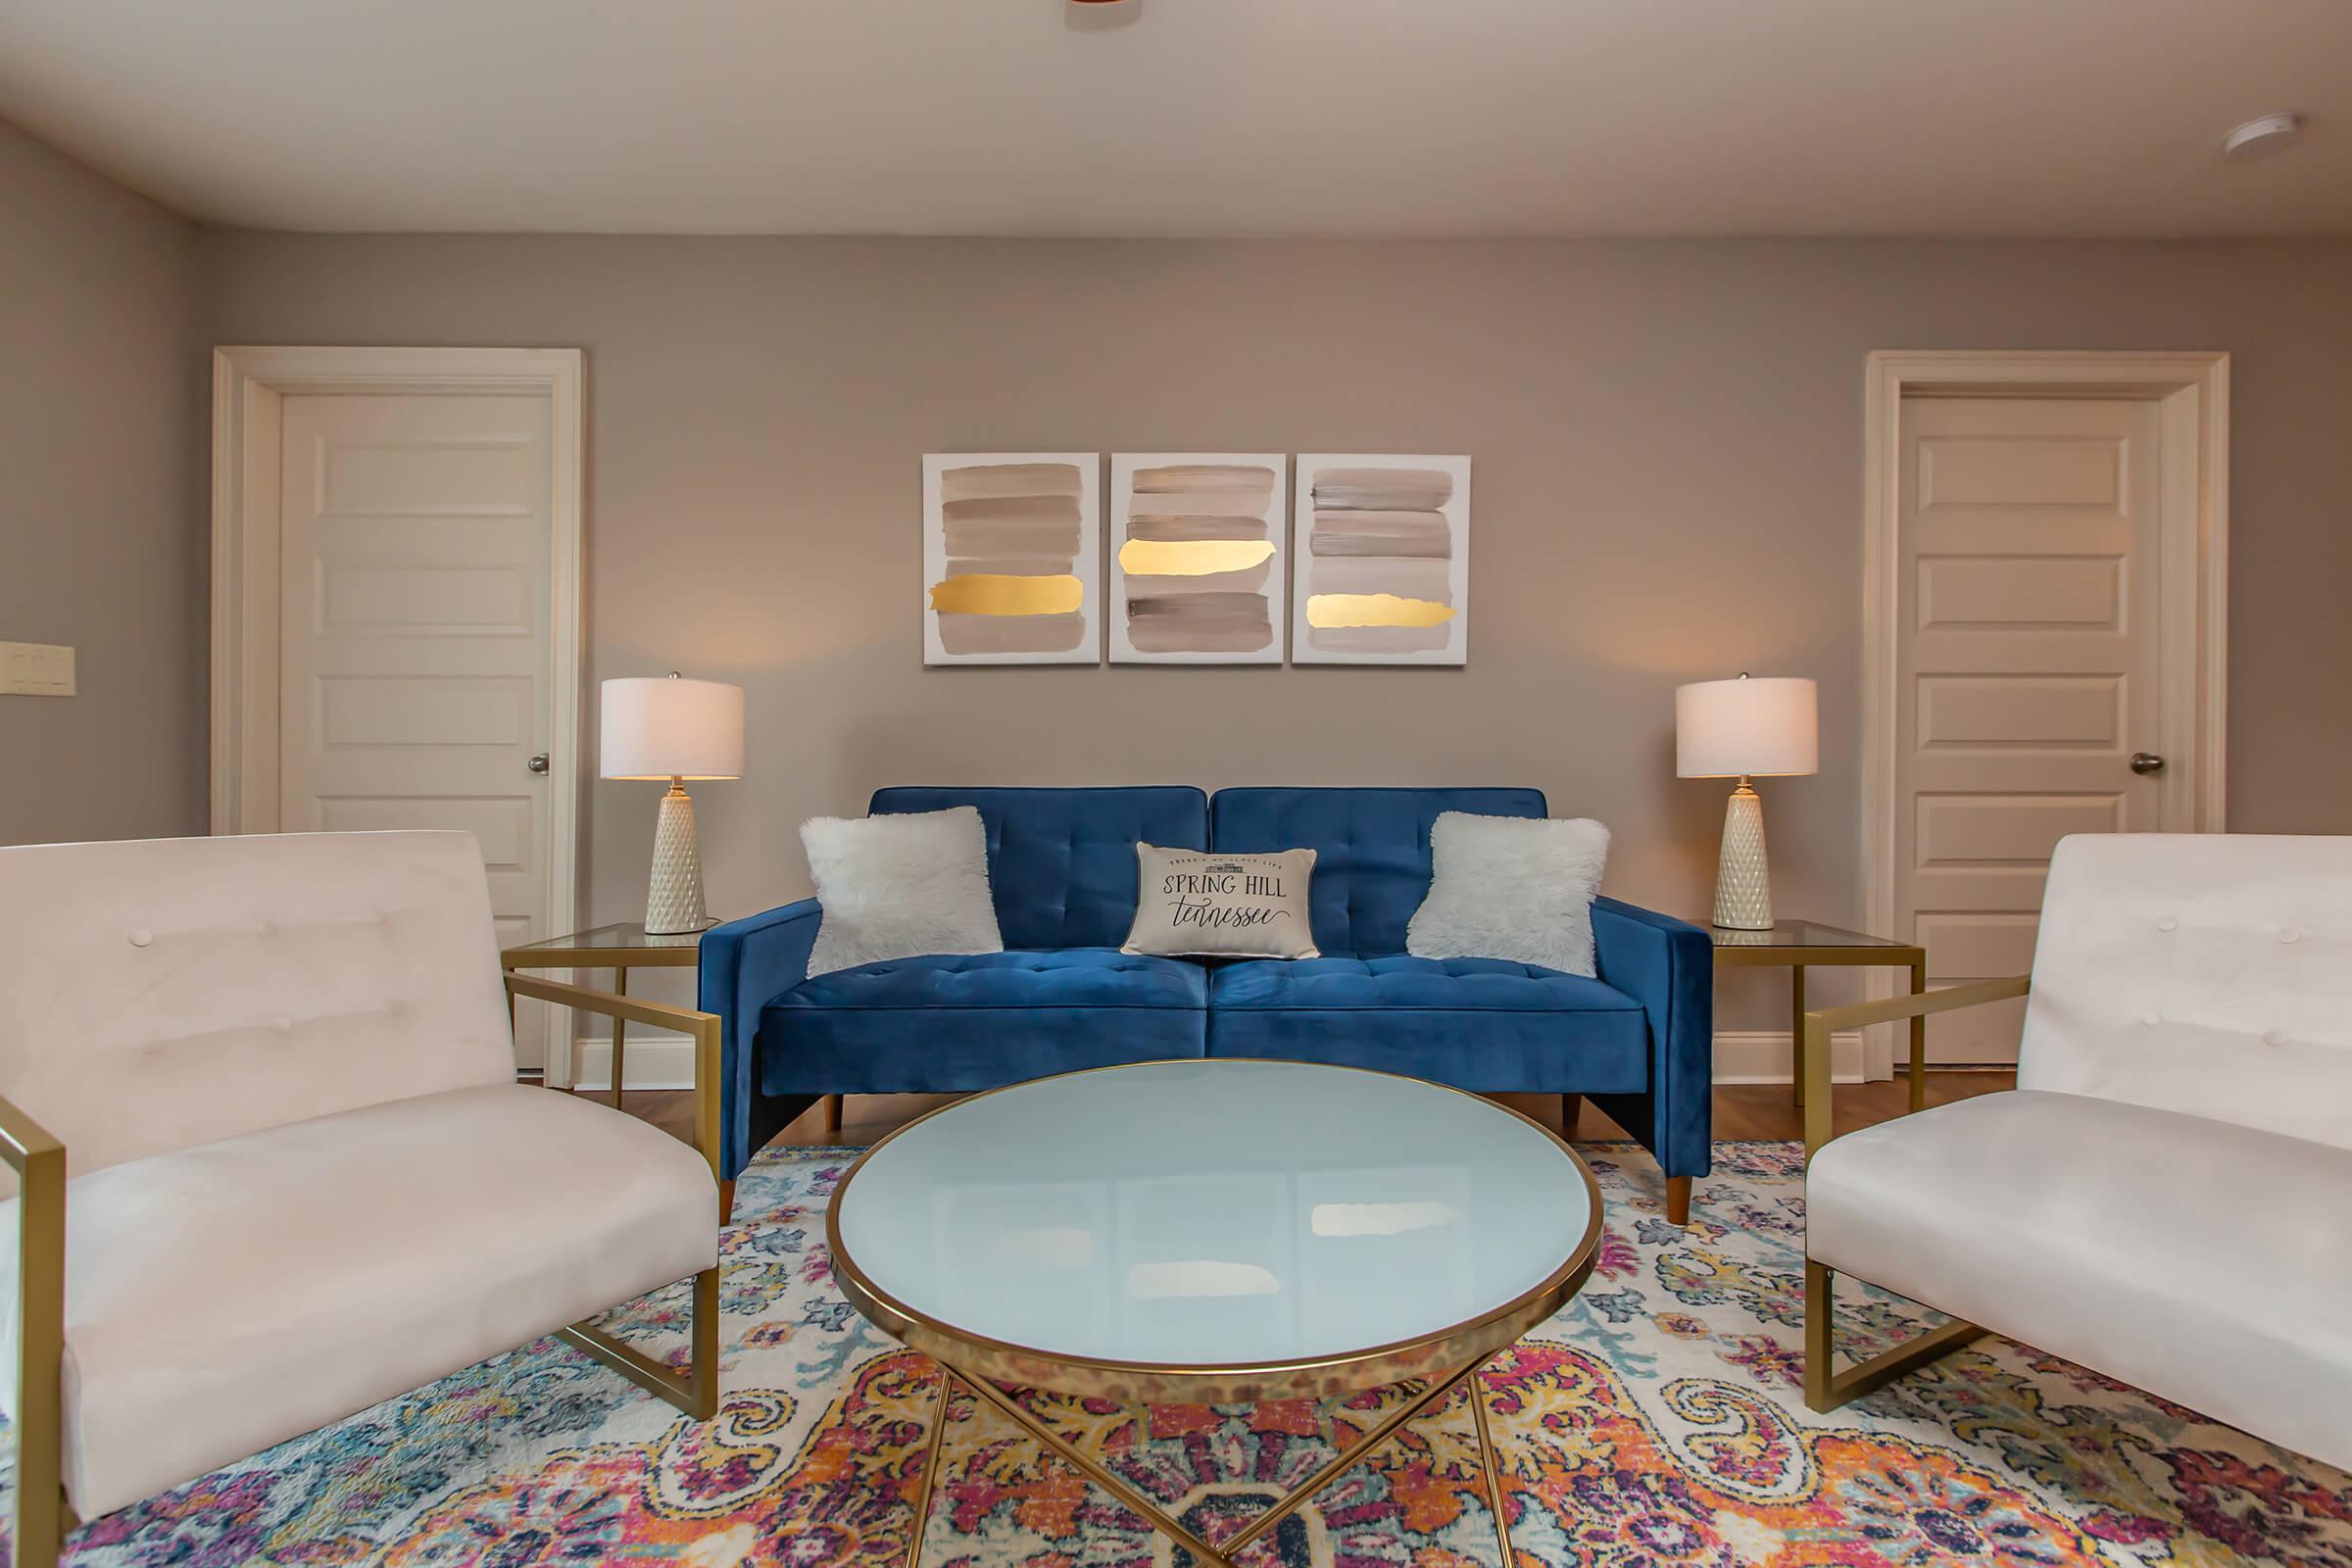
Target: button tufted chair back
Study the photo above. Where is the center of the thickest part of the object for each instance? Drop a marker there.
(2203, 973)
(164, 993)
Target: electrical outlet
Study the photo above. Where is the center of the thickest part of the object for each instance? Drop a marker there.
(36, 669)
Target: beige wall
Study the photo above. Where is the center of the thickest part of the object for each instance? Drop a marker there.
(102, 541)
(1668, 457)
(1667, 440)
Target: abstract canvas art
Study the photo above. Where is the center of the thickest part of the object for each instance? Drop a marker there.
(1012, 558)
(1197, 558)
(1384, 560)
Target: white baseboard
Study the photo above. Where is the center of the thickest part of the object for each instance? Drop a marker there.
(658, 1060)
(653, 1059)
(1762, 1056)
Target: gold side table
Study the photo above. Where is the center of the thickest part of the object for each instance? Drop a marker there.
(1798, 944)
(617, 947)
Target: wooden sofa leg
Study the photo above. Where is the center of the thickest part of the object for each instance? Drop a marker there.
(1677, 1200)
(832, 1114)
(726, 1202)
(1572, 1106)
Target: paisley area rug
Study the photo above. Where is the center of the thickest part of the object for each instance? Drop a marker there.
(1655, 1421)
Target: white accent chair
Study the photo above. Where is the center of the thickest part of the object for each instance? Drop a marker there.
(274, 1166)
(2166, 1197)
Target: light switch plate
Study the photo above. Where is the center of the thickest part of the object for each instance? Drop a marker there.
(36, 669)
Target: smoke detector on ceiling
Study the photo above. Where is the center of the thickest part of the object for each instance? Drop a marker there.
(2259, 138)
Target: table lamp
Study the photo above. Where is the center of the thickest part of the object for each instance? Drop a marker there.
(1745, 729)
(673, 729)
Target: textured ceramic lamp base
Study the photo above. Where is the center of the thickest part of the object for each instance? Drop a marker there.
(1742, 881)
(673, 903)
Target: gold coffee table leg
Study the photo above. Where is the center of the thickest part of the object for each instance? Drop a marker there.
(1291, 1502)
(1130, 1498)
(1347, 1459)
(1492, 1466)
(922, 1493)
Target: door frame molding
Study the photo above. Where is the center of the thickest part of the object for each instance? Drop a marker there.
(248, 387)
(2192, 392)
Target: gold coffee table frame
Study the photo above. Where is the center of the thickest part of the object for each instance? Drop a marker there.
(1443, 1358)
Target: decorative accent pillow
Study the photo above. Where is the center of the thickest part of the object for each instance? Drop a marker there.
(899, 886)
(1196, 903)
(1511, 886)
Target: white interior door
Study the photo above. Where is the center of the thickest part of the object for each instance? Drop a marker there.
(415, 657)
(2028, 661)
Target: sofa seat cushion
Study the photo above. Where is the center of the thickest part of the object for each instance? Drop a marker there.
(1065, 977)
(227, 1296)
(954, 1022)
(1478, 1023)
(2118, 1237)
(1454, 985)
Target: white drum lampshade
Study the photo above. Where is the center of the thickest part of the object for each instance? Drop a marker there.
(1744, 729)
(674, 729)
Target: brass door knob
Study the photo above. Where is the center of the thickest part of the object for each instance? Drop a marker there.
(2144, 763)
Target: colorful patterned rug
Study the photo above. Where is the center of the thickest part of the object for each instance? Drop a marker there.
(1657, 1421)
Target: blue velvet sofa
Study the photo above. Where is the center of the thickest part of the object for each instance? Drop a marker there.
(1637, 1039)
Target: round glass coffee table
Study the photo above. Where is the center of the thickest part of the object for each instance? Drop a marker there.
(1216, 1232)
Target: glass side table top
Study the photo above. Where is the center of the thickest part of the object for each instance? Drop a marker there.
(1217, 1215)
(622, 937)
(1798, 934)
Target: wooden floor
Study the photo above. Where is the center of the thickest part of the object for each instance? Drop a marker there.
(1742, 1111)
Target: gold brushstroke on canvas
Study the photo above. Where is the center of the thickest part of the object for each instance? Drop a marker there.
(1192, 558)
(983, 593)
(1374, 610)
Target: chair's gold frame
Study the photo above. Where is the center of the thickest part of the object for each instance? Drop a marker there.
(1441, 1360)
(1826, 1389)
(42, 1516)
(568, 953)
(696, 1392)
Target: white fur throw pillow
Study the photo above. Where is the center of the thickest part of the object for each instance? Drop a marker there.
(1511, 886)
(899, 886)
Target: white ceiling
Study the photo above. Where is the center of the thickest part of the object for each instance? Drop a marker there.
(1200, 117)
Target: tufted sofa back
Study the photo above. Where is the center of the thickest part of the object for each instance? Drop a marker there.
(2203, 973)
(1061, 863)
(1371, 849)
(163, 993)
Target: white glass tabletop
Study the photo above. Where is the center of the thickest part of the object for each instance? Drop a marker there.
(1215, 1215)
